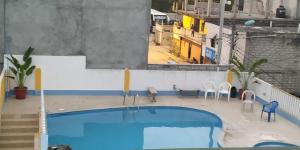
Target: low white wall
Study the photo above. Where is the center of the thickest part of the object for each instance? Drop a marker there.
(69, 73)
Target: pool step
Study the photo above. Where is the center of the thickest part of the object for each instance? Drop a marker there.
(17, 144)
(19, 122)
(19, 116)
(16, 136)
(17, 131)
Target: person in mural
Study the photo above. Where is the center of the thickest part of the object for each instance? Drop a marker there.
(193, 31)
(213, 61)
(195, 61)
(202, 60)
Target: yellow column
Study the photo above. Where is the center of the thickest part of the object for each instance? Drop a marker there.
(38, 79)
(126, 80)
(229, 77)
(2, 97)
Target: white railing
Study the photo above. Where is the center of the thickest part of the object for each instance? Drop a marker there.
(43, 135)
(187, 33)
(287, 102)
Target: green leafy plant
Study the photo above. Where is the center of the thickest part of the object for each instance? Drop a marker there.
(20, 71)
(244, 72)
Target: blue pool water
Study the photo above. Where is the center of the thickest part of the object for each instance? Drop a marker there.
(135, 129)
(274, 144)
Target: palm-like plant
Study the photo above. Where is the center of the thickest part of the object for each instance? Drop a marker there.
(20, 71)
(246, 72)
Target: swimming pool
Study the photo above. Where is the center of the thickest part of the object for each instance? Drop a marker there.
(135, 129)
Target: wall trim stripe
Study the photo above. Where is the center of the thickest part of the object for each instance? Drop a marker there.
(104, 93)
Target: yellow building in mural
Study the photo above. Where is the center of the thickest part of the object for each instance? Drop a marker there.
(187, 22)
(198, 24)
(189, 46)
(176, 40)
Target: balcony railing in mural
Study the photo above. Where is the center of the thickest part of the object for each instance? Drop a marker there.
(187, 34)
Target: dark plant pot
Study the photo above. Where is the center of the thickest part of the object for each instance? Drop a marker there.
(20, 93)
(241, 91)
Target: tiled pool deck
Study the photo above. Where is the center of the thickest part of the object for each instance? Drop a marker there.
(242, 129)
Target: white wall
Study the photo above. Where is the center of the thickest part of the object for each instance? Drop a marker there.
(259, 6)
(212, 31)
(240, 45)
(190, 7)
(69, 73)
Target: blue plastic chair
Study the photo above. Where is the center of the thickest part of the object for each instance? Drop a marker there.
(270, 108)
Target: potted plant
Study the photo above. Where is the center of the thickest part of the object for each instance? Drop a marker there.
(20, 72)
(245, 73)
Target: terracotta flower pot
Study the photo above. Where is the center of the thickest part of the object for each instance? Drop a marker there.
(20, 93)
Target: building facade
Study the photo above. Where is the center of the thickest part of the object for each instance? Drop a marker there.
(254, 8)
(283, 53)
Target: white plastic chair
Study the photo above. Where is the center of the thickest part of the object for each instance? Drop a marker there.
(210, 87)
(249, 98)
(224, 88)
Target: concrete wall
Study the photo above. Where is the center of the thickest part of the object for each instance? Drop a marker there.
(240, 47)
(298, 10)
(59, 75)
(112, 34)
(283, 54)
(298, 83)
(202, 8)
(1, 32)
(258, 7)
